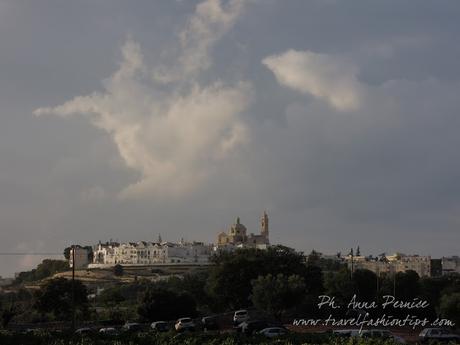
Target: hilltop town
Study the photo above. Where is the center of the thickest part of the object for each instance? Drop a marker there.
(163, 253)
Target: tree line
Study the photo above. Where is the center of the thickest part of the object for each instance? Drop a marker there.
(280, 282)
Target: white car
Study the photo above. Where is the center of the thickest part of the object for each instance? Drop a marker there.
(108, 331)
(160, 326)
(240, 316)
(439, 334)
(184, 323)
(84, 331)
(272, 332)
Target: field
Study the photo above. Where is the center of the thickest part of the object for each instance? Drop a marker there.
(180, 339)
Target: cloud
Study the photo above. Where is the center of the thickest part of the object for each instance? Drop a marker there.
(93, 194)
(324, 76)
(174, 139)
(205, 27)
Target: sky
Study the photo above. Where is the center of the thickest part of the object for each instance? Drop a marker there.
(125, 120)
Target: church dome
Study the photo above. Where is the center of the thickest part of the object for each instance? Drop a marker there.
(238, 228)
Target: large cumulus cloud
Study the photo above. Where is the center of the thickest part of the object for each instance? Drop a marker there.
(175, 138)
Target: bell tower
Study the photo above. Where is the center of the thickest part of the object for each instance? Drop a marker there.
(264, 225)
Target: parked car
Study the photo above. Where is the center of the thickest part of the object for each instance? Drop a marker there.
(382, 334)
(240, 316)
(439, 334)
(108, 331)
(272, 332)
(346, 333)
(160, 326)
(84, 331)
(132, 327)
(31, 331)
(209, 323)
(184, 324)
(252, 326)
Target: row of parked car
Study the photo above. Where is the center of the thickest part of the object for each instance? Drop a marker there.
(241, 323)
(182, 324)
(207, 323)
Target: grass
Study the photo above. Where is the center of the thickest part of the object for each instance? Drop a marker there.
(47, 338)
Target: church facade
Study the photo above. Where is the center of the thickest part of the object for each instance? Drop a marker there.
(238, 236)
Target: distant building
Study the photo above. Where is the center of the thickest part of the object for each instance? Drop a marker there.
(5, 281)
(378, 265)
(82, 256)
(450, 265)
(238, 237)
(417, 263)
(149, 253)
(436, 267)
(392, 264)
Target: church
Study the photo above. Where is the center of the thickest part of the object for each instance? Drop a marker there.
(237, 235)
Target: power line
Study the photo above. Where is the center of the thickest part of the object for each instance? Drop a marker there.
(33, 254)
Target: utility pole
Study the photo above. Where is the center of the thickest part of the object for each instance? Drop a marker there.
(377, 290)
(352, 268)
(74, 320)
(394, 284)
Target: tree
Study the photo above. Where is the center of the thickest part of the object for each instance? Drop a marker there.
(450, 307)
(7, 313)
(193, 284)
(111, 296)
(433, 288)
(313, 258)
(365, 284)
(276, 294)
(407, 285)
(45, 269)
(230, 278)
(67, 253)
(162, 304)
(118, 270)
(339, 285)
(88, 248)
(314, 283)
(56, 297)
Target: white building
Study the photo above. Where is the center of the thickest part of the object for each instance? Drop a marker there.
(149, 253)
(392, 264)
(417, 263)
(450, 265)
(81, 257)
